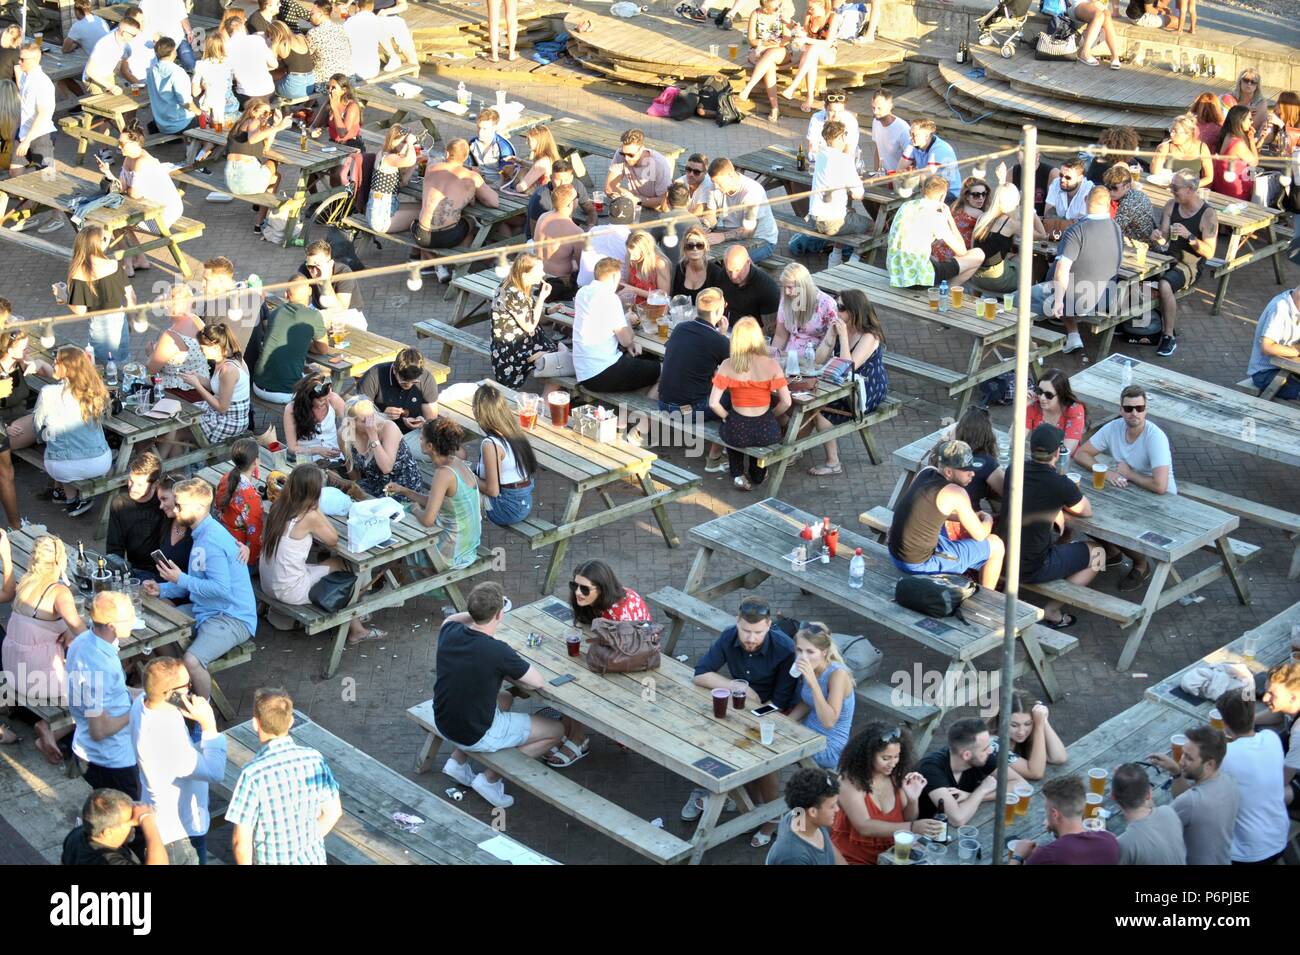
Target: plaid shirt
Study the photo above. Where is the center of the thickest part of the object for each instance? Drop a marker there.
(279, 796)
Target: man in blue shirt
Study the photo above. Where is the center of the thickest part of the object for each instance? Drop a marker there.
(216, 583)
(763, 656)
(928, 149)
(489, 150)
(99, 699)
(169, 91)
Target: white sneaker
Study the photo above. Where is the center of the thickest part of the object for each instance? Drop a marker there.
(716, 468)
(1073, 343)
(694, 807)
(461, 772)
(495, 793)
(444, 274)
(835, 258)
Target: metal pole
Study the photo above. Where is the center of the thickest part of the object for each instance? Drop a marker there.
(1013, 503)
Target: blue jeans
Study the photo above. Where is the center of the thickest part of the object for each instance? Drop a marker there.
(511, 505)
(807, 245)
(296, 85)
(758, 251)
(200, 844)
(1290, 391)
(109, 334)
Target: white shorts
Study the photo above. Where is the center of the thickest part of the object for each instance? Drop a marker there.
(78, 469)
(509, 730)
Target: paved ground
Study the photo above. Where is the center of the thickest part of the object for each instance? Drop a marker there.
(390, 676)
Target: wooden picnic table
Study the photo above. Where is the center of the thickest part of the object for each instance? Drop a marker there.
(362, 351)
(590, 466)
(115, 13)
(1243, 221)
(295, 166)
(1220, 415)
(116, 109)
(59, 66)
(662, 715)
(1273, 639)
(424, 108)
(371, 794)
(761, 537)
(1286, 367)
(1163, 528)
(59, 186)
(913, 304)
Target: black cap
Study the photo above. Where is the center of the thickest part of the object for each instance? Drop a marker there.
(1046, 437)
(622, 211)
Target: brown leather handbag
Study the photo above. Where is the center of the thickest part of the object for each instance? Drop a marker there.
(623, 646)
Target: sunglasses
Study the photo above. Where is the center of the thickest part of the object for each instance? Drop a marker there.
(891, 736)
(755, 608)
(1133, 409)
(693, 246)
(582, 589)
(694, 172)
(322, 389)
(626, 155)
(1049, 395)
(835, 98)
(982, 194)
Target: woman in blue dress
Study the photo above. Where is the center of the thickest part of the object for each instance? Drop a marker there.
(826, 697)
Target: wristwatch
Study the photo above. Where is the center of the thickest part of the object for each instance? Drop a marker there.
(372, 445)
(1017, 858)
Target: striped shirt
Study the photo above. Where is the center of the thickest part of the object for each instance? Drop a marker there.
(279, 796)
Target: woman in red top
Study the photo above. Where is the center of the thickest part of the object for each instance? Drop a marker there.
(1209, 118)
(966, 211)
(748, 378)
(343, 111)
(594, 592)
(238, 505)
(1233, 175)
(647, 269)
(878, 796)
(1057, 405)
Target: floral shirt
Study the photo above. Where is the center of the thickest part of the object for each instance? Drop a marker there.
(908, 258)
(1135, 216)
(243, 516)
(941, 251)
(331, 51)
(814, 330)
(1072, 419)
(631, 607)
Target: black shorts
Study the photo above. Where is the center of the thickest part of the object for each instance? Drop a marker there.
(1179, 277)
(447, 238)
(626, 374)
(1063, 560)
(125, 780)
(944, 271)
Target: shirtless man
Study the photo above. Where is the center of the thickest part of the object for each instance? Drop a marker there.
(560, 263)
(449, 186)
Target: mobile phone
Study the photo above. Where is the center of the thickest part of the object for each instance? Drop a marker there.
(178, 698)
(765, 710)
(159, 557)
(563, 679)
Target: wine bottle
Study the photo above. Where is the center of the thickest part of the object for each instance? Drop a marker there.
(81, 572)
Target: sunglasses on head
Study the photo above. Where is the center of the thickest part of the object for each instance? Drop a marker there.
(582, 589)
(835, 97)
(321, 389)
(892, 735)
(755, 608)
(1130, 409)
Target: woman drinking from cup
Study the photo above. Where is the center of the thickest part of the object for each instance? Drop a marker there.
(826, 697)
(1057, 405)
(374, 450)
(1035, 744)
(452, 505)
(750, 377)
(647, 269)
(506, 463)
(518, 344)
(248, 172)
(879, 794)
(387, 209)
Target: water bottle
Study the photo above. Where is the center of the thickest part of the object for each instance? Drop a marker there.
(462, 94)
(945, 297)
(791, 363)
(90, 352)
(1063, 462)
(857, 570)
(110, 373)
(157, 388)
(809, 362)
(1126, 374)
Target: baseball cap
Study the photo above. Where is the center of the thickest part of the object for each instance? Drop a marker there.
(1046, 437)
(956, 454)
(622, 211)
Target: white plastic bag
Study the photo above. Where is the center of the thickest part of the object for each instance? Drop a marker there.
(370, 523)
(625, 9)
(334, 502)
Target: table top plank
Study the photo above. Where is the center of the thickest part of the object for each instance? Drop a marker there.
(60, 185)
(285, 148)
(380, 95)
(365, 349)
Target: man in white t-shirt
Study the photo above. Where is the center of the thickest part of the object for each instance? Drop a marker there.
(170, 18)
(1142, 457)
(835, 180)
(251, 62)
(107, 61)
(835, 110)
(371, 45)
(604, 349)
(1283, 699)
(889, 134)
(86, 30)
(738, 211)
(607, 241)
(35, 108)
(1254, 760)
(1067, 196)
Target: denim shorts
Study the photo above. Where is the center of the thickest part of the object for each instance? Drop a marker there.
(949, 557)
(511, 505)
(246, 178)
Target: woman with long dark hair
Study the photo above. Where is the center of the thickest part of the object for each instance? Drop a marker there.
(225, 395)
(343, 111)
(879, 794)
(1057, 405)
(1237, 155)
(517, 310)
(312, 418)
(1034, 743)
(238, 505)
(296, 521)
(96, 281)
(506, 465)
(976, 429)
(856, 335)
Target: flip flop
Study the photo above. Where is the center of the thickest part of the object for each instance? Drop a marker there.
(1067, 620)
(371, 635)
(760, 839)
(8, 737)
(826, 470)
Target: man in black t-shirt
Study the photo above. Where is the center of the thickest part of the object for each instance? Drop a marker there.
(338, 291)
(962, 776)
(403, 390)
(1048, 496)
(470, 709)
(748, 290)
(109, 821)
(260, 20)
(694, 351)
(135, 521)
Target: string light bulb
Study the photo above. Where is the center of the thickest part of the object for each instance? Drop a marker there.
(47, 336)
(670, 237)
(139, 322)
(503, 266)
(414, 281)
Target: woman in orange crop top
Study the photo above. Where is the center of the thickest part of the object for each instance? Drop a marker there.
(747, 379)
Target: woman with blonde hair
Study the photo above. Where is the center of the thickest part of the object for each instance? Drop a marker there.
(647, 269)
(388, 210)
(805, 312)
(212, 86)
(225, 393)
(291, 49)
(1247, 92)
(96, 281)
(826, 698)
(177, 354)
(695, 271)
(997, 235)
(543, 154)
(506, 463)
(69, 419)
(748, 379)
(375, 452)
(43, 622)
(517, 341)
(1183, 151)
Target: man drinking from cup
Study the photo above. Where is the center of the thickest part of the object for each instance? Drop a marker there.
(334, 291)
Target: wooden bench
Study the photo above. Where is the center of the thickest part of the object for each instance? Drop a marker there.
(1251, 511)
(683, 608)
(205, 179)
(534, 776)
(451, 337)
(862, 243)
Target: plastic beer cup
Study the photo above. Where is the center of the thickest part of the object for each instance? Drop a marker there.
(1249, 646)
(1091, 805)
(573, 644)
(1176, 743)
(1024, 793)
(767, 732)
(733, 50)
(1097, 781)
(933, 296)
(1009, 301)
(1216, 720)
(967, 850)
(1013, 801)
(958, 293)
(903, 845)
(1098, 477)
(721, 697)
(739, 691)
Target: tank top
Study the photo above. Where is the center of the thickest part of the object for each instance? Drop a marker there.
(1192, 165)
(386, 181)
(460, 521)
(190, 361)
(836, 736)
(1180, 248)
(237, 144)
(858, 849)
(636, 279)
(241, 383)
(327, 431)
(16, 405)
(296, 62)
(996, 247)
(510, 471)
(284, 574)
(917, 521)
(31, 647)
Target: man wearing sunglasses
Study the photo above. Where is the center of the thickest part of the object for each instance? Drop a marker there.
(757, 652)
(837, 111)
(109, 58)
(1067, 196)
(174, 770)
(920, 540)
(639, 172)
(1142, 456)
(695, 177)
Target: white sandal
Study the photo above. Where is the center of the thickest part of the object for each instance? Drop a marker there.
(558, 759)
(760, 839)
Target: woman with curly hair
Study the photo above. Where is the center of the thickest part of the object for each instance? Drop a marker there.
(453, 504)
(879, 794)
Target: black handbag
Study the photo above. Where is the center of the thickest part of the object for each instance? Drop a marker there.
(935, 595)
(334, 591)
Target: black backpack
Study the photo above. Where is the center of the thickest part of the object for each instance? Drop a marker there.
(937, 595)
(716, 101)
(687, 101)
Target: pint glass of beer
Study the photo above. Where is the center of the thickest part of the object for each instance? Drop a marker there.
(1216, 720)
(1097, 781)
(1013, 802)
(557, 402)
(903, 845)
(958, 295)
(1176, 744)
(1091, 805)
(1024, 793)
(1098, 477)
(933, 296)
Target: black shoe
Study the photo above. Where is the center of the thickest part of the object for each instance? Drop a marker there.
(1168, 345)
(257, 228)
(720, 19)
(56, 495)
(80, 506)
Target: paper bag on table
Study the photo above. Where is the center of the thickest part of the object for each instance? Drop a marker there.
(370, 523)
(164, 408)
